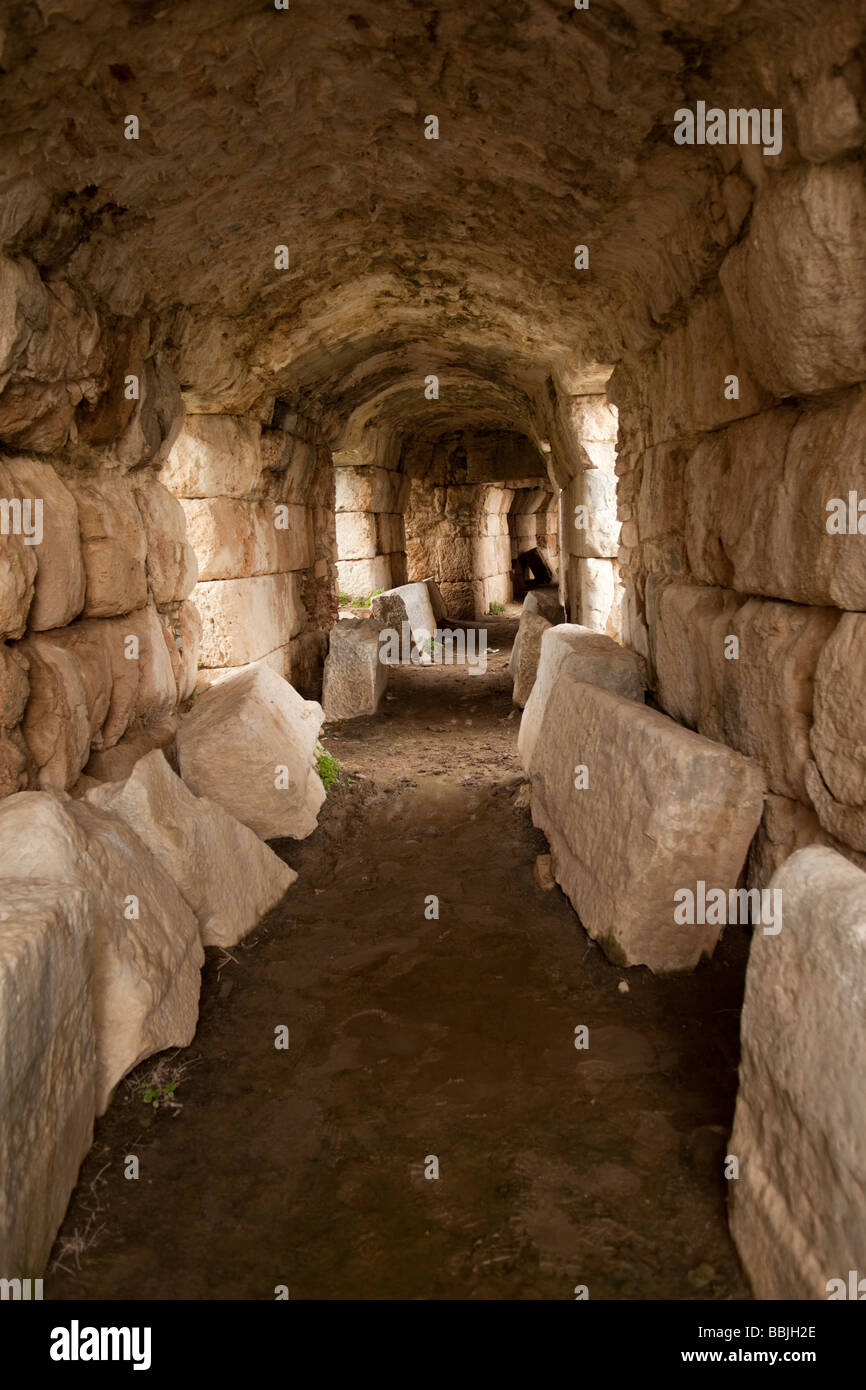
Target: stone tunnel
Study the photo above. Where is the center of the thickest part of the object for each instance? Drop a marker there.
(526, 959)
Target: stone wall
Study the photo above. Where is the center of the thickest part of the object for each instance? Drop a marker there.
(738, 428)
(259, 506)
(98, 638)
(585, 461)
(371, 544)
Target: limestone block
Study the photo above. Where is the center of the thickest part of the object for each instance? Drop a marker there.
(357, 537)
(546, 602)
(597, 593)
(796, 1210)
(491, 555)
(589, 656)
(244, 619)
(295, 536)
(355, 677)
(454, 561)
(828, 119)
(786, 826)
(796, 283)
(410, 603)
(360, 578)
(838, 735)
(47, 1064)
(17, 562)
(62, 713)
(214, 456)
(598, 535)
(460, 599)
(145, 967)
(114, 546)
(224, 872)
(389, 532)
(368, 490)
(437, 603)
(60, 576)
(697, 805)
(759, 701)
(116, 763)
(526, 654)
(757, 504)
(249, 744)
(14, 686)
(172, 569)
(496, 588)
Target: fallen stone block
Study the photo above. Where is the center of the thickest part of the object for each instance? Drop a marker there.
(147, 954)
(355, 677)
(224, 872)
(796, 1209)
(636, 810)
(47, 1064)
(249, 744)
(525, 654)
(546, 602)
(591, 657)
(410, 603)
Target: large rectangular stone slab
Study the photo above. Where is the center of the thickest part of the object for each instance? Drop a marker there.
(589, 656)
(225, 873)
(244, 619)
(409, 603)
(249, 744)
(147, 954)
(663, 810)
(796, 1209)
(355, 677)
(47, 1063)
(757, 512)
(214, 456)
(742, 673)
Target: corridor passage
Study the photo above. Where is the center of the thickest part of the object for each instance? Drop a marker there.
(413, 1038)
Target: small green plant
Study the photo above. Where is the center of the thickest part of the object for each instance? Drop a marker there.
(328, 767)
(432, 646)
(344, 600)
(362, 601)
(377, 592)
(497, 607)
(160, 1095)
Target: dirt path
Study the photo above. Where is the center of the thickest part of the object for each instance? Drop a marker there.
(413, 1037)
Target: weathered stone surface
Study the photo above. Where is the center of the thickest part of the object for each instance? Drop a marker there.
(591, 657)
(117, 763)
(369, 490)
(742, 673)
(525, 654)
(224, 872)
(249, 744)
(47, 1064)
(757, 504)
(235, 539)
(114, 546)
(696, 802)
(838, 735)
(844, 822)
(593, 531)
(786, 826)
(357, 537)
(214, 456)
(145, 967)
(143, 687)
(796, 284)
(437, 603)
(355, 678)
(70, 696)
(17, 564)
(244, 619)
(546, 602)
(50, 357)
(60, 577)
(409, 603)
(597, 594)
(172, 569)
(361, 578)
(796, 1210)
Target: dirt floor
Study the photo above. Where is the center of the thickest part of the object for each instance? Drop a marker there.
(413, 1037)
